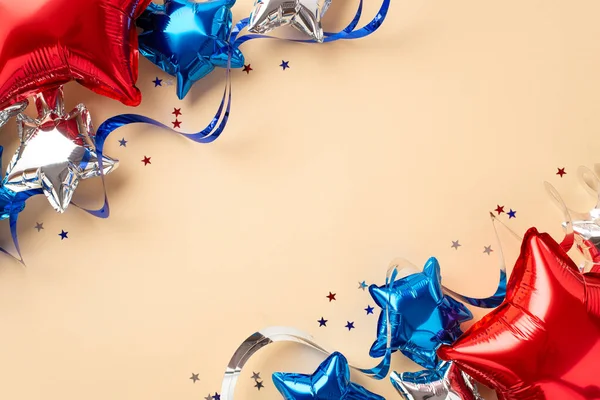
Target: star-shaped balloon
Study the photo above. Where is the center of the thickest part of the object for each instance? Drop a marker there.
(56, 151)
(330, 381)
(47, 43)
(543, 341)
(304, 15)
(445, 383)
(188, 39)
(421, 316)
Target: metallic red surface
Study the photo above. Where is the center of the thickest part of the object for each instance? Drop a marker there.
(543, 342)
(46, 43)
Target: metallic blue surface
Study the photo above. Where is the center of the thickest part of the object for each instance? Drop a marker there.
(188, 40)
(331, 381)
(420, 316)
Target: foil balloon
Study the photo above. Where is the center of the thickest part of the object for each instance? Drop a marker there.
(12, 111)
(188, 39)
(330, 381)
(47, 43)
(304, 15)
(420, 316)
(543, 342)
(444, 383)
(56, 151)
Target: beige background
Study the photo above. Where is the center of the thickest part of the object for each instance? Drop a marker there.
(362, 151)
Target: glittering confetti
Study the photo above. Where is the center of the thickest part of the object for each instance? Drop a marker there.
(195, 377)
(209, 397)
(284, 64)
(39, 226)
(512, 214)
(561, 172)
(322, 322)
(255, 375)
(487, 249)
(362, 285)
(247, 69)
(331, 296)
(157, 82)
(170, 82)
(176, 112)
(369, 310)
(259, 385)
(123, 143)
(146, 160)
(63, 235)
(455, 244)
(216, 396)
(499, 209)
(176, 123)
(349, 325)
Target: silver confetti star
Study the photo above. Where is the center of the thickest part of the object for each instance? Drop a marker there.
(195, 377)
(39, 226)
(304, 15)
(255, 375)
(487, 249)
(455, 244)
(57, 150)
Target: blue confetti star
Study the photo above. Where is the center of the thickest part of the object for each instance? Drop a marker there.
(512, 214)
(322, 322)
(284, 64)
(362, 285)
(157, 82)
(349, 325)
(188, 39)
(123, 142)
(369, 310)
(63, 235)
(217, 396)
(331, 380)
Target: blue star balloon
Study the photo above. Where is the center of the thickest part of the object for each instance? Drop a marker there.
(331, 381)
(187, 39)
(421, 317)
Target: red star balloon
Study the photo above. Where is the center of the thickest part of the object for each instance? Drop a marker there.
(543, 342)
(47, 43)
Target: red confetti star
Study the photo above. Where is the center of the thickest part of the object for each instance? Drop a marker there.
(561, 172)
(247, 68)
(176, 123)
(331, 296)
(146, 160)
(499, 209)
(176, 112)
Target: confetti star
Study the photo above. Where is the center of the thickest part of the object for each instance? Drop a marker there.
(362, 285)
(349, 325)
(195, 377)
(170, 82)
(487, 249)
(146, 160)
(63, 235)
(561, 172)
(123, 142)
(247, 69)
(176, 123)
(39, 226)
(369, 310)
(217, 396)
(157, 82)
(455, 244)
(176, 112)
(259, 385)
(322, 322)
(284, 64)
(255, 375)
(499, 209)
(331, 296)
(512, 214)
(209, 397)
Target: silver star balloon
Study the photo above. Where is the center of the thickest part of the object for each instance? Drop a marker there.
(447, 383)
(11, 111)
(57, 150)
(304, 15)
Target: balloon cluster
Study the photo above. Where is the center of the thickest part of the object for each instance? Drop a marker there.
(541, 341)
(45, 44)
